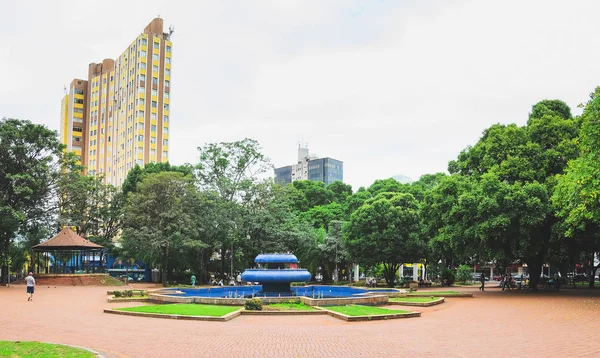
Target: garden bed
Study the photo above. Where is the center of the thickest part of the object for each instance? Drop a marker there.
(439, 294)
(355, 313)
(416, 301)
(16, 349)
(181, 311)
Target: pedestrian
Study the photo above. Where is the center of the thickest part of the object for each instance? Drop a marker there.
(239, 279)
(482, 288)
(30, 286)
(193, 278)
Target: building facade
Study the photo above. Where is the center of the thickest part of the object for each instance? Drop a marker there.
(125, 106)
(326, 170)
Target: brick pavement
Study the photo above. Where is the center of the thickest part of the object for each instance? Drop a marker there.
(493, 324)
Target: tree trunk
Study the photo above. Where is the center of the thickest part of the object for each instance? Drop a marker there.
(389, 271)
(535, 271)
(165, 268)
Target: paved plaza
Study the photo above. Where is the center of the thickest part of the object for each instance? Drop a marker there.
(492, 324)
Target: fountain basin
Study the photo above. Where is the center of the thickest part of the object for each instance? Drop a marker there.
(280, 275)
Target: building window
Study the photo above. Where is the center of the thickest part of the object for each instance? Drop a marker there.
(168, 49)
(143, 78)
(140, 138)
(153, 128)
(77, 100)
(166, 107)
(77, 91)
(165, 142)
(153, 152)
(167, 72)
(153, 104)
(143, 54)
(167, 83)
(77, 129)
(168, 61)
(165, 119)
(164, 154)
(153, 116)
(154, 92)
(154, 81)
(154, 68)
(165, 130)
(154, 57)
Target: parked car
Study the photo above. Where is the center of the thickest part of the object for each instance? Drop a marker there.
(580, 277)
(477, 277)
(497, 278)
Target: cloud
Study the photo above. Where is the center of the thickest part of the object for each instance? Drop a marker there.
(388, 87)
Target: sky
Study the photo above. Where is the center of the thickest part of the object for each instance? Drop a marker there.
(388, 87)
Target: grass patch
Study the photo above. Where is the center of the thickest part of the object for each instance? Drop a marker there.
(357, 310)
(184, 309)
(435, 293)
(38, 350)
(110, 281)
(413, 299)
(287, 307)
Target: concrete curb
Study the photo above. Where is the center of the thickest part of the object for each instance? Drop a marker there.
(224, 318)
(440, 300)
(284, 313)
(128, 299)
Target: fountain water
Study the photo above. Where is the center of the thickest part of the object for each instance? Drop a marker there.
(275, 273)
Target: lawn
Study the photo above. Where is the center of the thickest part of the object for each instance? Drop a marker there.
(357, 310)
(287, 307)
(413, 299)
(184, 309)
(434, 293)
(40, 350)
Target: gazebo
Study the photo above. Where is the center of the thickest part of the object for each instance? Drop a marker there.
(69, 251)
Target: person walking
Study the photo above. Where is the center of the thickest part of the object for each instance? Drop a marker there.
(30, 286)
(482, 288)
(193, 278)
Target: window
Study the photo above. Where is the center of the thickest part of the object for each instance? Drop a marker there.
(141, 114)
(165, 130)
(154, 92)
(153, 104)
(167, 83)
(152, 140)
(140, 138)
(168, 49)
(164, 154)
(153, 128)
(153, 152)
(77, 129)
(166, 119)
(167, 72)
(142, 101)
(142, 78)
(154, 57)
(153, 116)
(143, 54)
(77, 110)
(154, 68)
(77, 139)
(168, 61)
(165, 142)
(166, 107)
(77, 91)
(77, 100)
(144, 42)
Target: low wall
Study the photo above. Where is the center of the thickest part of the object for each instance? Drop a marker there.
(83, 279)
(371, 300)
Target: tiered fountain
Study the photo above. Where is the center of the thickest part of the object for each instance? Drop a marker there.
(275, 272)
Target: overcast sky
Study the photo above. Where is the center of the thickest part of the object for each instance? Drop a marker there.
(388, 87)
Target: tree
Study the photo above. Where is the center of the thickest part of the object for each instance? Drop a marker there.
(385, 231)
(340, 191)
(576, 194)
(158, 218)
(464, 274)
(28, 171)
(135, 175)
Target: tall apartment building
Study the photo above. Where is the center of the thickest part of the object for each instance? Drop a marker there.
(326, 170)
(119, 116)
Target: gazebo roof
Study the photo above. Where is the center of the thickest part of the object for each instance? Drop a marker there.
(66, 239)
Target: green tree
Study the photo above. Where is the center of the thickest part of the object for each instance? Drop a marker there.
(158, 218)
(464, 273)
(385, 231)
(28, 171)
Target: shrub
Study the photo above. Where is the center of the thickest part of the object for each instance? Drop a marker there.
(448, 275)
(143, 293)
(117, 293)
(464, 274)
(253, 304)
(293, 301)
(128, 293)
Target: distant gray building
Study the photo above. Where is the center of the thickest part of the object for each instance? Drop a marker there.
(326, 170)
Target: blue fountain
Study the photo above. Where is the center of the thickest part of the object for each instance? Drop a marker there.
(275, 272)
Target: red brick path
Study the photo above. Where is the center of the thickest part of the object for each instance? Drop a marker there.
(493, 324)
